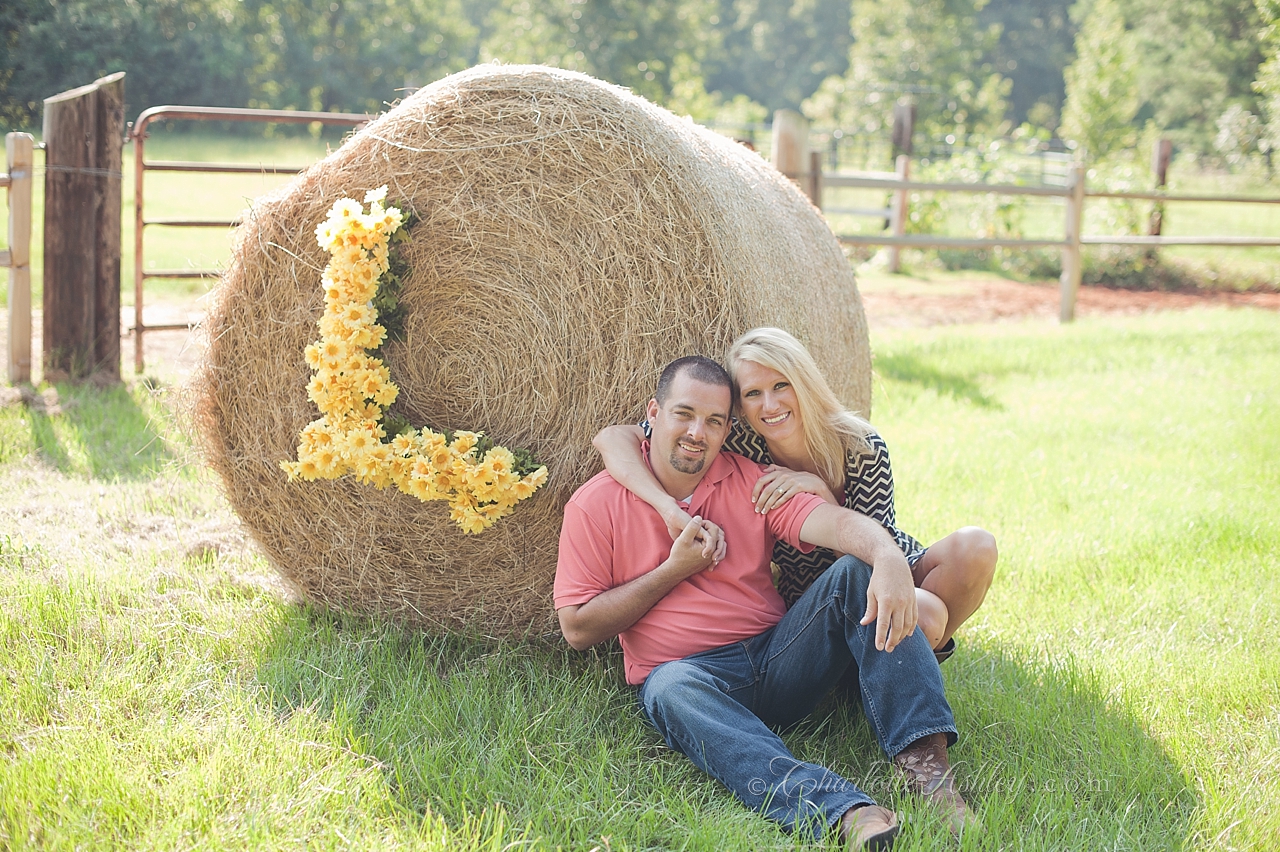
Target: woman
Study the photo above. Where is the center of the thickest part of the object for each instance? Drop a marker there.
(810, 443)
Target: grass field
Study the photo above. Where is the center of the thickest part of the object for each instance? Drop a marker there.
(1120, 689)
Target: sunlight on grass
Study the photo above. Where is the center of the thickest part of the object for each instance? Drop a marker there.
(1119, 688)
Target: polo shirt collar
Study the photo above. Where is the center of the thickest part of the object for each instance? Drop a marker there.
(721, 469)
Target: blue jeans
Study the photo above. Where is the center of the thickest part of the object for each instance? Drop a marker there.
(717, 706)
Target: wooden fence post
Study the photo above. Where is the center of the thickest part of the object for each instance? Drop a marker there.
(1069, 284)
(1160, 165)
(813, 187)
(106, 267)
(790, 143)
(18, 155)
(82, 229)
(898, 212)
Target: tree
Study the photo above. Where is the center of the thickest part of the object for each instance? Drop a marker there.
(349, 55)
(1267, 83)
(1195, 58)
(933, 51)
(1102, 84)
(176, 51)
(651, 46)
(777, 52)
(1037, 43)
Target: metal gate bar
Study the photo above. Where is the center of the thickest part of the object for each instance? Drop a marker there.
(138, 134)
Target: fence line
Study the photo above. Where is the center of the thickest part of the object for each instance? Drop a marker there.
(19, 160)
(1075, 193)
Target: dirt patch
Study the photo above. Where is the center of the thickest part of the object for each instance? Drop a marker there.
(915, 302)
(172, 355)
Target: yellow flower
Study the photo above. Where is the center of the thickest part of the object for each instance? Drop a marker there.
(343, 210)
(464, 442)
(328, 463)
(369, 337)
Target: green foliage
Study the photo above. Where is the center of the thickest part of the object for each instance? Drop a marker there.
(1195, 58)
(349, 55)
(913, 49)
(1037, 42)
(176, 51)
(777, 52)
(651, 46)
(1102, 84)
(1267, 83)
(974, 67)
(391, 313)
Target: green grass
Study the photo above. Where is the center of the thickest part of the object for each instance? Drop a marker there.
(1120, 688)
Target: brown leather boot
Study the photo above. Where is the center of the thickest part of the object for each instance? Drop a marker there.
(868, 827)
(925, 767)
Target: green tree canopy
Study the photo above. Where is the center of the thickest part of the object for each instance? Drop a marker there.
(1102, 84)
(777, 52)
(934, 51)
(650, 46)
(1037, 43)
(1194, 59)
(349, 55)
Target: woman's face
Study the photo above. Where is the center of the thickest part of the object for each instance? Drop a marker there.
(769, 403)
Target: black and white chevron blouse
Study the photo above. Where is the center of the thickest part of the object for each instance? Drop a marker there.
(868, 489)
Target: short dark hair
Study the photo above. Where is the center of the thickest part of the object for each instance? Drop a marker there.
(699, 367)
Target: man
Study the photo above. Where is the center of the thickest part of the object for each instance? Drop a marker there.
(716, 655)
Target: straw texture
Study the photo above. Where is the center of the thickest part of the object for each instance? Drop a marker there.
(571, 239)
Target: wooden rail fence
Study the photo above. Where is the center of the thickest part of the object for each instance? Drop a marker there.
(814, 182)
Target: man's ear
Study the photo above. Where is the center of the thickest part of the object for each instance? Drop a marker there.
(652, 410)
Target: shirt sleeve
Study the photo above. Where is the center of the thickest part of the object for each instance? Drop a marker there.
(783, 522)
(786, 520)
(584, 567)
(869, 483)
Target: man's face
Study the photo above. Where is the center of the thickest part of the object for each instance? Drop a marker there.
(689, 428)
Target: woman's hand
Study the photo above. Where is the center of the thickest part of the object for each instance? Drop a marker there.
(780, 484)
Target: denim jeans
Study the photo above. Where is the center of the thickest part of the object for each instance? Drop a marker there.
(718, 706)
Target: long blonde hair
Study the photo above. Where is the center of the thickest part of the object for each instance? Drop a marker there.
(831, 431)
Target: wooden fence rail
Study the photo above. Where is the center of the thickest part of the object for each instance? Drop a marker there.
(19, 148)
(1075, 193)
(791, 137)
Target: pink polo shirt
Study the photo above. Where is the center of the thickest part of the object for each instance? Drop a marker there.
(610, 537)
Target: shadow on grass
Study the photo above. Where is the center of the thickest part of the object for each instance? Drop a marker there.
(1048, 760)
(103, 432)
(910, 368)
(553, 737)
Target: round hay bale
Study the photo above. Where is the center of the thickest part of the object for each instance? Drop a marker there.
(571, 238)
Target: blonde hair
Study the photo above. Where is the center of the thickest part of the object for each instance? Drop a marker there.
(831, 431)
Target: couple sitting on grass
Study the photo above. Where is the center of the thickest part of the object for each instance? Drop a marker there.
(669, 549)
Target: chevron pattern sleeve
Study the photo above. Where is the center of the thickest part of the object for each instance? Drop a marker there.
(868, 488)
